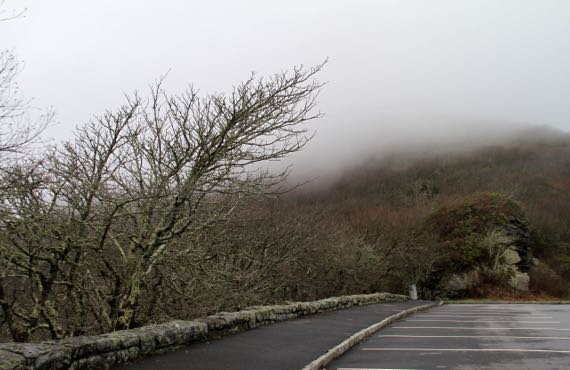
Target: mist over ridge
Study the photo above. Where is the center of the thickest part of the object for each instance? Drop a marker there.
(327, 159)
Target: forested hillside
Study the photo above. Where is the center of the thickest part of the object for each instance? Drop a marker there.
(374, 217)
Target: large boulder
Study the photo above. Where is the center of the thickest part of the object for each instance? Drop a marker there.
(520, 281)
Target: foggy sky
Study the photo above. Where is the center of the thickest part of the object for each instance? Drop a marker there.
(399, 72)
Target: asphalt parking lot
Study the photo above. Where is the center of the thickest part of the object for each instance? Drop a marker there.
(469, 336)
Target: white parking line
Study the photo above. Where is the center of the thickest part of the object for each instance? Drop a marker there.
(486, 311)
(466, 350)
(517, 321)
(484, 316)
(472, 336)
(368, 368)
(477, 310)
(472, 328)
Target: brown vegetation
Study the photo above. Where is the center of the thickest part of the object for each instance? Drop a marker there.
(84, 262)
(522, 184)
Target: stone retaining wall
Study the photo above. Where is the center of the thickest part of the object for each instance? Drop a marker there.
(103, 351)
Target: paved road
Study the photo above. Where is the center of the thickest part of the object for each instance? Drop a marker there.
(288, 345)
(474, 336)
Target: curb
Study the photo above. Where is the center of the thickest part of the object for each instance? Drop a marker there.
(359, 336)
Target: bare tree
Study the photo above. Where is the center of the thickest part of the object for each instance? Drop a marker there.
(92, 221)
(18, 126)
(496, 243)
(6, 15)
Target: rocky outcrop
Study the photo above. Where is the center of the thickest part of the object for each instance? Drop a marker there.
(483, 237)
(520, 281)
(511, 257)
(511, 262)
(463, 281)
(103, 351)
(466, 281)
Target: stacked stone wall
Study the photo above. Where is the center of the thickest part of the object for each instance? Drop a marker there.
(106, 350)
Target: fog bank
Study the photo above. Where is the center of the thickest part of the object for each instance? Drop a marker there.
(400, 73)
